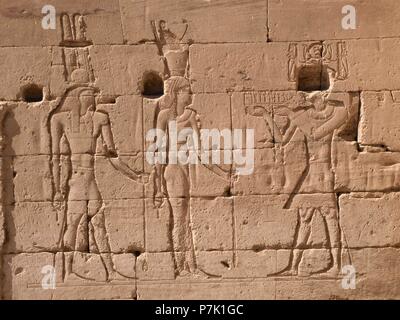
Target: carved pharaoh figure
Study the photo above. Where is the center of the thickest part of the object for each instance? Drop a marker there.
(316, 115)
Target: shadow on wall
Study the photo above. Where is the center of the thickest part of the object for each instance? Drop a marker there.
(8, 199)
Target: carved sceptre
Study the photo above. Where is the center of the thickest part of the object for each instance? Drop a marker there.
(160, 48)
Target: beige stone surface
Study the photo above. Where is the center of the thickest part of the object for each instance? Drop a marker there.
(191, 149)
(294, 20)
(103, 20)
(205, 18)
(378, 123)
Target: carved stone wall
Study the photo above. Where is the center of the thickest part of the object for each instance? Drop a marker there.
(303, 204)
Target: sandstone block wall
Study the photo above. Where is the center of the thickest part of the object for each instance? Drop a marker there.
(84, 214)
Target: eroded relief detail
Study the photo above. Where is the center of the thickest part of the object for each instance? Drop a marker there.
(318, 55)
(311, 120)
(172, 182)
(89, 193)
(75, 126)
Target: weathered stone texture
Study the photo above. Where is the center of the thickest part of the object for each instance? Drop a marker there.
(287, 127)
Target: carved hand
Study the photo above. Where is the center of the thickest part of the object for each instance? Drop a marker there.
(158, 199)
(58, 200)
(256, 111)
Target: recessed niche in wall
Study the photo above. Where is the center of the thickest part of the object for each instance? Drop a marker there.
(31, 93)
(313, 78)
(152, 84)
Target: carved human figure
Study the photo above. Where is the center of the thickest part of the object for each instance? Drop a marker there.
(317, 115)
(75, 127)
(172, 182)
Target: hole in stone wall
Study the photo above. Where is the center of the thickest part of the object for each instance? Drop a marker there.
(153, 85)
(137, 253)
(32, 93)
(313, 78)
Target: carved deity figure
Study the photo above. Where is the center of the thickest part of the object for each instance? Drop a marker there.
(315, 116)
(172, 182)
(75, 127)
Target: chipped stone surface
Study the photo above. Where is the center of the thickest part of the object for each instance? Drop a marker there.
(292, 182)
(378, 124)
(377, 223)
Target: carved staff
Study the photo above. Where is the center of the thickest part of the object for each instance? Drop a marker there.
(301, 180)
(160, 48)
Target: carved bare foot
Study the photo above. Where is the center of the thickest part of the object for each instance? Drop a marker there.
(184, 274)
(115, 276)
(200, 274)
(197, 274)
(332, 272)
(286, 273)
(74, 277)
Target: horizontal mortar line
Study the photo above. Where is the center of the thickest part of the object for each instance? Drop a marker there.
(221, 280)
(268, 41)
(207, 151)
(226, 91)
(220, 195)
(87, 283)
(217, 197)
(131, 44)
(143, 253)
(265, 41)
(335, 39)
(249, 280)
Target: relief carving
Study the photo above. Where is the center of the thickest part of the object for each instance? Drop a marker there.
(312, 118)
(75, 127)
(318, 55)
(318, 153)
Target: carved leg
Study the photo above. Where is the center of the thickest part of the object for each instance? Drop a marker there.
(99, 237)
(182, 236)
(332, 222)
(177, 181)
(302, 235)
(75, 238)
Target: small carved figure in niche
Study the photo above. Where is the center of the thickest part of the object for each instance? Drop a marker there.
(75, 127)
(318, 54)
(314, 53)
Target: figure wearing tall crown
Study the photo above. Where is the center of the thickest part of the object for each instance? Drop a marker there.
(75, 127)
(172, 182)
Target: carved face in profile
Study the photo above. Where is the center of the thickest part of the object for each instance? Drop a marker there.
(318, 102)
(87, 101)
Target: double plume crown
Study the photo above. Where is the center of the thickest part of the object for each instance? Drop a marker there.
(174, 50)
